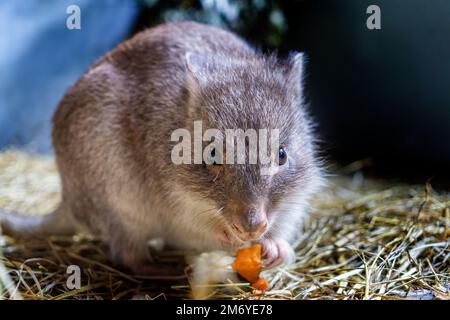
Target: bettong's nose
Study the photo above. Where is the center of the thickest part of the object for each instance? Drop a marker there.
(252, 226)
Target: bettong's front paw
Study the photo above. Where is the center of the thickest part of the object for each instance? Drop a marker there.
(276, 252)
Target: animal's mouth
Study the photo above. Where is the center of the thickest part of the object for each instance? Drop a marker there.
(234, 230)
(229, 238)
(237, 233)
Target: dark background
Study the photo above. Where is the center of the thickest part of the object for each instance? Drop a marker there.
(381, 95)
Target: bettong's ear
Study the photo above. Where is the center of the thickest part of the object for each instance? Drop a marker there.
(196, 66)
(295, 72)
(193, 62)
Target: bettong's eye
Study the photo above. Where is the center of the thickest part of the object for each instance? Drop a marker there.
(212, 157)
(282, 156)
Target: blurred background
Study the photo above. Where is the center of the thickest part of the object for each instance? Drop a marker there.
(381, 97)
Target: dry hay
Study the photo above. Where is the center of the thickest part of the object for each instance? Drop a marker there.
(366, 240)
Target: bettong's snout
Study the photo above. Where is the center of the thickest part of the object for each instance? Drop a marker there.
(250, 224)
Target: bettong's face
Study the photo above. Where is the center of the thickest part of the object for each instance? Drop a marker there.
(255, 149)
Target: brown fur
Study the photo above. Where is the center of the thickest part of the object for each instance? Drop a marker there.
(112, 142)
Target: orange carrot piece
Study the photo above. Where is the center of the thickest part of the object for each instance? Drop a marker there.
(248, 263)
(261, 284)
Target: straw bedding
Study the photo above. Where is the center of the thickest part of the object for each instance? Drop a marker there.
(365, 240)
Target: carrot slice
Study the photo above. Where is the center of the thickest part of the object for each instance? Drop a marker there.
(248, 263)
(261, 284)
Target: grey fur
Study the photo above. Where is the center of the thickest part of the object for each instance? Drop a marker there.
(112, 142)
